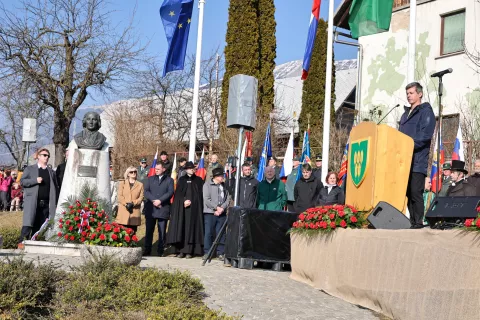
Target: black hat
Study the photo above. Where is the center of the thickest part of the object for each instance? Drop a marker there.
(182, 159)
(318, 158)
(164, 153)
(189, 165)
(218, 172)
(143, 160)
(458, 165)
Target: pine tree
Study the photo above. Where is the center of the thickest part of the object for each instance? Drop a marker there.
(313, 97)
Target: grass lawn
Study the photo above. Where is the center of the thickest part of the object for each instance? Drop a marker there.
(14, 220)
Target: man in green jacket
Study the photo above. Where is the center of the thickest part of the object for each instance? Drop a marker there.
(271, 192)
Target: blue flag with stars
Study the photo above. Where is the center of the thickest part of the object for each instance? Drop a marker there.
(176, 17)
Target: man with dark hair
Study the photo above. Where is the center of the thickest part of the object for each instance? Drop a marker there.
(460, 187)
(418, 122)
(158, 192)
(167, 165)
(40, 195)
(253, 167)
(248, 185)
(306, 190)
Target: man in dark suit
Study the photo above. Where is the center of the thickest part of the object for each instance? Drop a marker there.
(158, 192)
(40, 195)
(460, 187)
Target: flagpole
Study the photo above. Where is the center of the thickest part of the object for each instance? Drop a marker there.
(328, 92)
(412, 41)
(193, 127)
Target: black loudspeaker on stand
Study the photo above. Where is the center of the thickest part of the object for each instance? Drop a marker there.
(386, 216)
(445, 212)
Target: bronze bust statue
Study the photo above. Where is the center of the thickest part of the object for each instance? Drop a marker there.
(90, 138)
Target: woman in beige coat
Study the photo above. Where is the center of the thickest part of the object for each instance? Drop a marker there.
(130, 197)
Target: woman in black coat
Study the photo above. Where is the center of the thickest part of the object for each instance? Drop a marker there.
(331, 193)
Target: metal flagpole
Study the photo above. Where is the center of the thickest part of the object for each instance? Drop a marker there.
(328, 92)
(193, 127)
(412, 41)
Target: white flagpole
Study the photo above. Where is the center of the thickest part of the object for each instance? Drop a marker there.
(328, 92)
(412, 41)
(198, 57)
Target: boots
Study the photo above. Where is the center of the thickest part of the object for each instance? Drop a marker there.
(12, 208)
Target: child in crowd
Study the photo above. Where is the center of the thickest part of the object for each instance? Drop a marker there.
(16, 196)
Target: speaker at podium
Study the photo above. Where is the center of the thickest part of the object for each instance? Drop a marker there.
(379, 160)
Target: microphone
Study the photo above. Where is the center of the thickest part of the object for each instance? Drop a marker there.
(442, 73)
(398, 105)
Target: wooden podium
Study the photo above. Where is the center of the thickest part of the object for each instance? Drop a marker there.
(379, 159)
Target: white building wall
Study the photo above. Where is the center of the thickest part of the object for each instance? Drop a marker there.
(384, 74)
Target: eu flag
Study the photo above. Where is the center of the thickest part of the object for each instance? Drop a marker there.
(176, 17)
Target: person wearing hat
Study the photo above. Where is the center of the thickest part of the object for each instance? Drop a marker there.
(181, 167)
(271, 192)
(474, 179)
(460, 187)
(317, 172)
(446, 179)
(290, 185)
(272, 162)
(215, 203)
(60, 171)
(142, 170)
(185, 231)
(166, 163)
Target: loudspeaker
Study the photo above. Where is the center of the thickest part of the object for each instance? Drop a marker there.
(386, 216)
(242, 102)
(452, 209)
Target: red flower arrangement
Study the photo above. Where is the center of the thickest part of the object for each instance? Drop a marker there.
(87, 223)
(473, 224)
(328, 218)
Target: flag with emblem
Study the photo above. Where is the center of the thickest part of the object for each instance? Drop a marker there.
(176, 16)
(312, 32)
(266, 153)
(369, 17)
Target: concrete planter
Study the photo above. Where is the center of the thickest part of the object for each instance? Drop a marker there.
(52, 248)
(128, 256)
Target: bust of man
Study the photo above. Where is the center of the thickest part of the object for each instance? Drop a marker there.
(90, 138)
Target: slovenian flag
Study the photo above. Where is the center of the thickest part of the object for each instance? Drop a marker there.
(312, 32)
(437, 166)
(458, 153)
(151, 172)
(201, 172)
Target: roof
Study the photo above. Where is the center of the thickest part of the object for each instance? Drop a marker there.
(340, 19)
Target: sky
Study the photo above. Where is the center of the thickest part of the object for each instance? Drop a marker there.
(292, 19)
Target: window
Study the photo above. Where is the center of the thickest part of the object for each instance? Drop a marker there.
(453, 33)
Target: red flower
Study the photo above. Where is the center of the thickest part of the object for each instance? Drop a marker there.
(70, 207)
(70, 228)
(78, 210)
(331, 216)
(108, 227)
(478, 223)
(76, 218)
(99, 229)
(312, 225)
(72, 238)
(333, 225)
(84, 233)
(99, 224)
(66, 237)
(92, 219)
(129, 230)
(114, 237)
(99, 215)
(116, 230)
(67, 222)
(78, 225)
(468, 222)
(84, 223)
(478, 209)
(82, 239)
(302, 216)
(93, 236)
(60, 226)
(307, 226)
(343, 224)
(61, 220)
(102, 237)
(353, 219)
(127, 238)
(134, 238)
(59, 234)
(323, 224)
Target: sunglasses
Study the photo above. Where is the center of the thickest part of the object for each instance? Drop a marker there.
(45, 155)
(133, 172)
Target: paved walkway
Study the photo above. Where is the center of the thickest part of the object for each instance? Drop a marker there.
(255, 294)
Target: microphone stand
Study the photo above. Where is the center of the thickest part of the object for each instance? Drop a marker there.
(439, 131)
(388, 113)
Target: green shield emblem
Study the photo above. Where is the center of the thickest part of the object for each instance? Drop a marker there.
(358, 161)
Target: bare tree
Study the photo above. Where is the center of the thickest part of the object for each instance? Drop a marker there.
(62, 48)
(15, 105)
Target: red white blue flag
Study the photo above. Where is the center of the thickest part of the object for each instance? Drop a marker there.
(458, 153)
(437, 165)
(312, 32)
(201, 172)
(151, 172)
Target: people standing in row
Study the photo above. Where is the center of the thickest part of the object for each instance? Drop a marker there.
(158, 192)
(186, 228)
(460, 187)
(271, 192)
(142, 171)
(130, 197)
(290, 185)
(317, 172)
(331, 193)
(40, 195)
(211, 166)
(418, 122)
(216, 200)
(306, 190)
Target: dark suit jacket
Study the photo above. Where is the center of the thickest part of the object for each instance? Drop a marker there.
(60, 172)
(461, 189)
(162, 191)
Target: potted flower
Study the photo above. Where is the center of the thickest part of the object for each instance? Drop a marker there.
(473, 224)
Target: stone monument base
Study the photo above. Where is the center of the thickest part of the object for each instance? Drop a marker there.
(52, 248)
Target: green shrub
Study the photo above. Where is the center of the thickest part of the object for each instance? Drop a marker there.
(10, 237)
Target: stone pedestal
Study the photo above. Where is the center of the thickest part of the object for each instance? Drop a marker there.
(84, 166)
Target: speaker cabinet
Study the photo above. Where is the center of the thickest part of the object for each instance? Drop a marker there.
(385, 216)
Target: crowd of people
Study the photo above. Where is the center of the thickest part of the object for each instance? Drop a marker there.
(11, 193)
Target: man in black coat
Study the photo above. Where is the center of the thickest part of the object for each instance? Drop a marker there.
(158, 192)
(185, 232)
(418, 122)
(306, 190)
(317, 172)
(60, 172)
(166, 163)
(460, 187)
(247, 197)
(474, 179)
